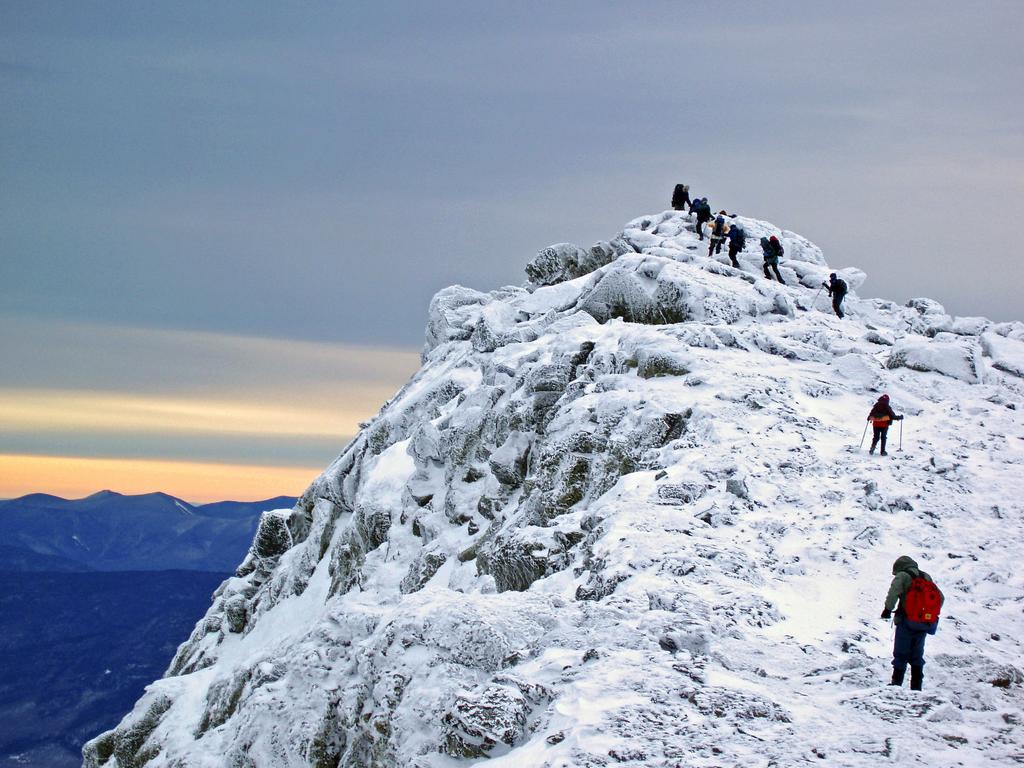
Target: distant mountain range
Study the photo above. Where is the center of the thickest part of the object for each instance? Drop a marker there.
(109, 531)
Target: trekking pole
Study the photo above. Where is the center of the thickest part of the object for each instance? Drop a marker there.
(862, 436)
(901, 434)
(814, 303)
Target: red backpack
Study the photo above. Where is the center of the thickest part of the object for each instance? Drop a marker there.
(923, 601)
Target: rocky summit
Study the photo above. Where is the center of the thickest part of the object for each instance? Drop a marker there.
(620, 517)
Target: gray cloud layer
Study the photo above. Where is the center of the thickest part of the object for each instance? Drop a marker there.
(79, 389)
(318, 172)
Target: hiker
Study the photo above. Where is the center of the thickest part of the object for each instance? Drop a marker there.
(837, 290)
(703, 216)
(737, 241)
(773, 251)
(881, 416)
(917, 602)
(717, 234)
(680, 197)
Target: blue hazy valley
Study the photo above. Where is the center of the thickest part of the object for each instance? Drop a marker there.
(98, 594)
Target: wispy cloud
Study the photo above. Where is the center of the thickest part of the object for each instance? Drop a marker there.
(59, 354)
(75, 410)
(73, 394)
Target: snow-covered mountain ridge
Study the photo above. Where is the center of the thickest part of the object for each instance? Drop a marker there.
(619, 518)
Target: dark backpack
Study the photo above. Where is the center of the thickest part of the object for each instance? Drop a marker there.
(680, 195)
(719, 225)
(922, 604)
(839, 287)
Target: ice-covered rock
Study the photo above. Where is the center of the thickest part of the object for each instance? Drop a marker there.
(877, 337)
(1014, 330)
(927, 317)
(619, 517)
(479, 721)
(452, 315)
(562, 262)
(1007, 354)
(969, 326)
(946, 354)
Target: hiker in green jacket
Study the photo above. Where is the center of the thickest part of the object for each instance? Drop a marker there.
(911, 630)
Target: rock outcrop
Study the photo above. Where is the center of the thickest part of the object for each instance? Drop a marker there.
(619, 518)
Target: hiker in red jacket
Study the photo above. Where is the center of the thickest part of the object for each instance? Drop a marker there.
(917, 602)
(881, 416)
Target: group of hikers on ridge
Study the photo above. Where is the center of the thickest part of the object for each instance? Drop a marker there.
(720, 230)
(913, 601)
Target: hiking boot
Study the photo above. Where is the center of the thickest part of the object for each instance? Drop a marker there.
(883, 453)
(871, 450)
(897, 677)
(916, 678)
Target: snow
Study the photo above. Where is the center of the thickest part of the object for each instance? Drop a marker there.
(947, 354)
(1006, 354)
(970, 326)
(624, 519)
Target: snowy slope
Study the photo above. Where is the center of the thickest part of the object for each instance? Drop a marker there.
(619, 517)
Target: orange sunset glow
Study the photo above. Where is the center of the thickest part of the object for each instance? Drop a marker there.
(232, 417)
(73, 477)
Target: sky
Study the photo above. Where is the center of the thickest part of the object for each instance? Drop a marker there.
(221, 223)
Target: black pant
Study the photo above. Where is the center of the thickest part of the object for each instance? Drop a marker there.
(880, 433)
(774, 267)
(733, 250)
(837, 305)
(700, 228)
(715, 246)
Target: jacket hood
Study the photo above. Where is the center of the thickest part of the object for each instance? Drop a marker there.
(903, 563)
